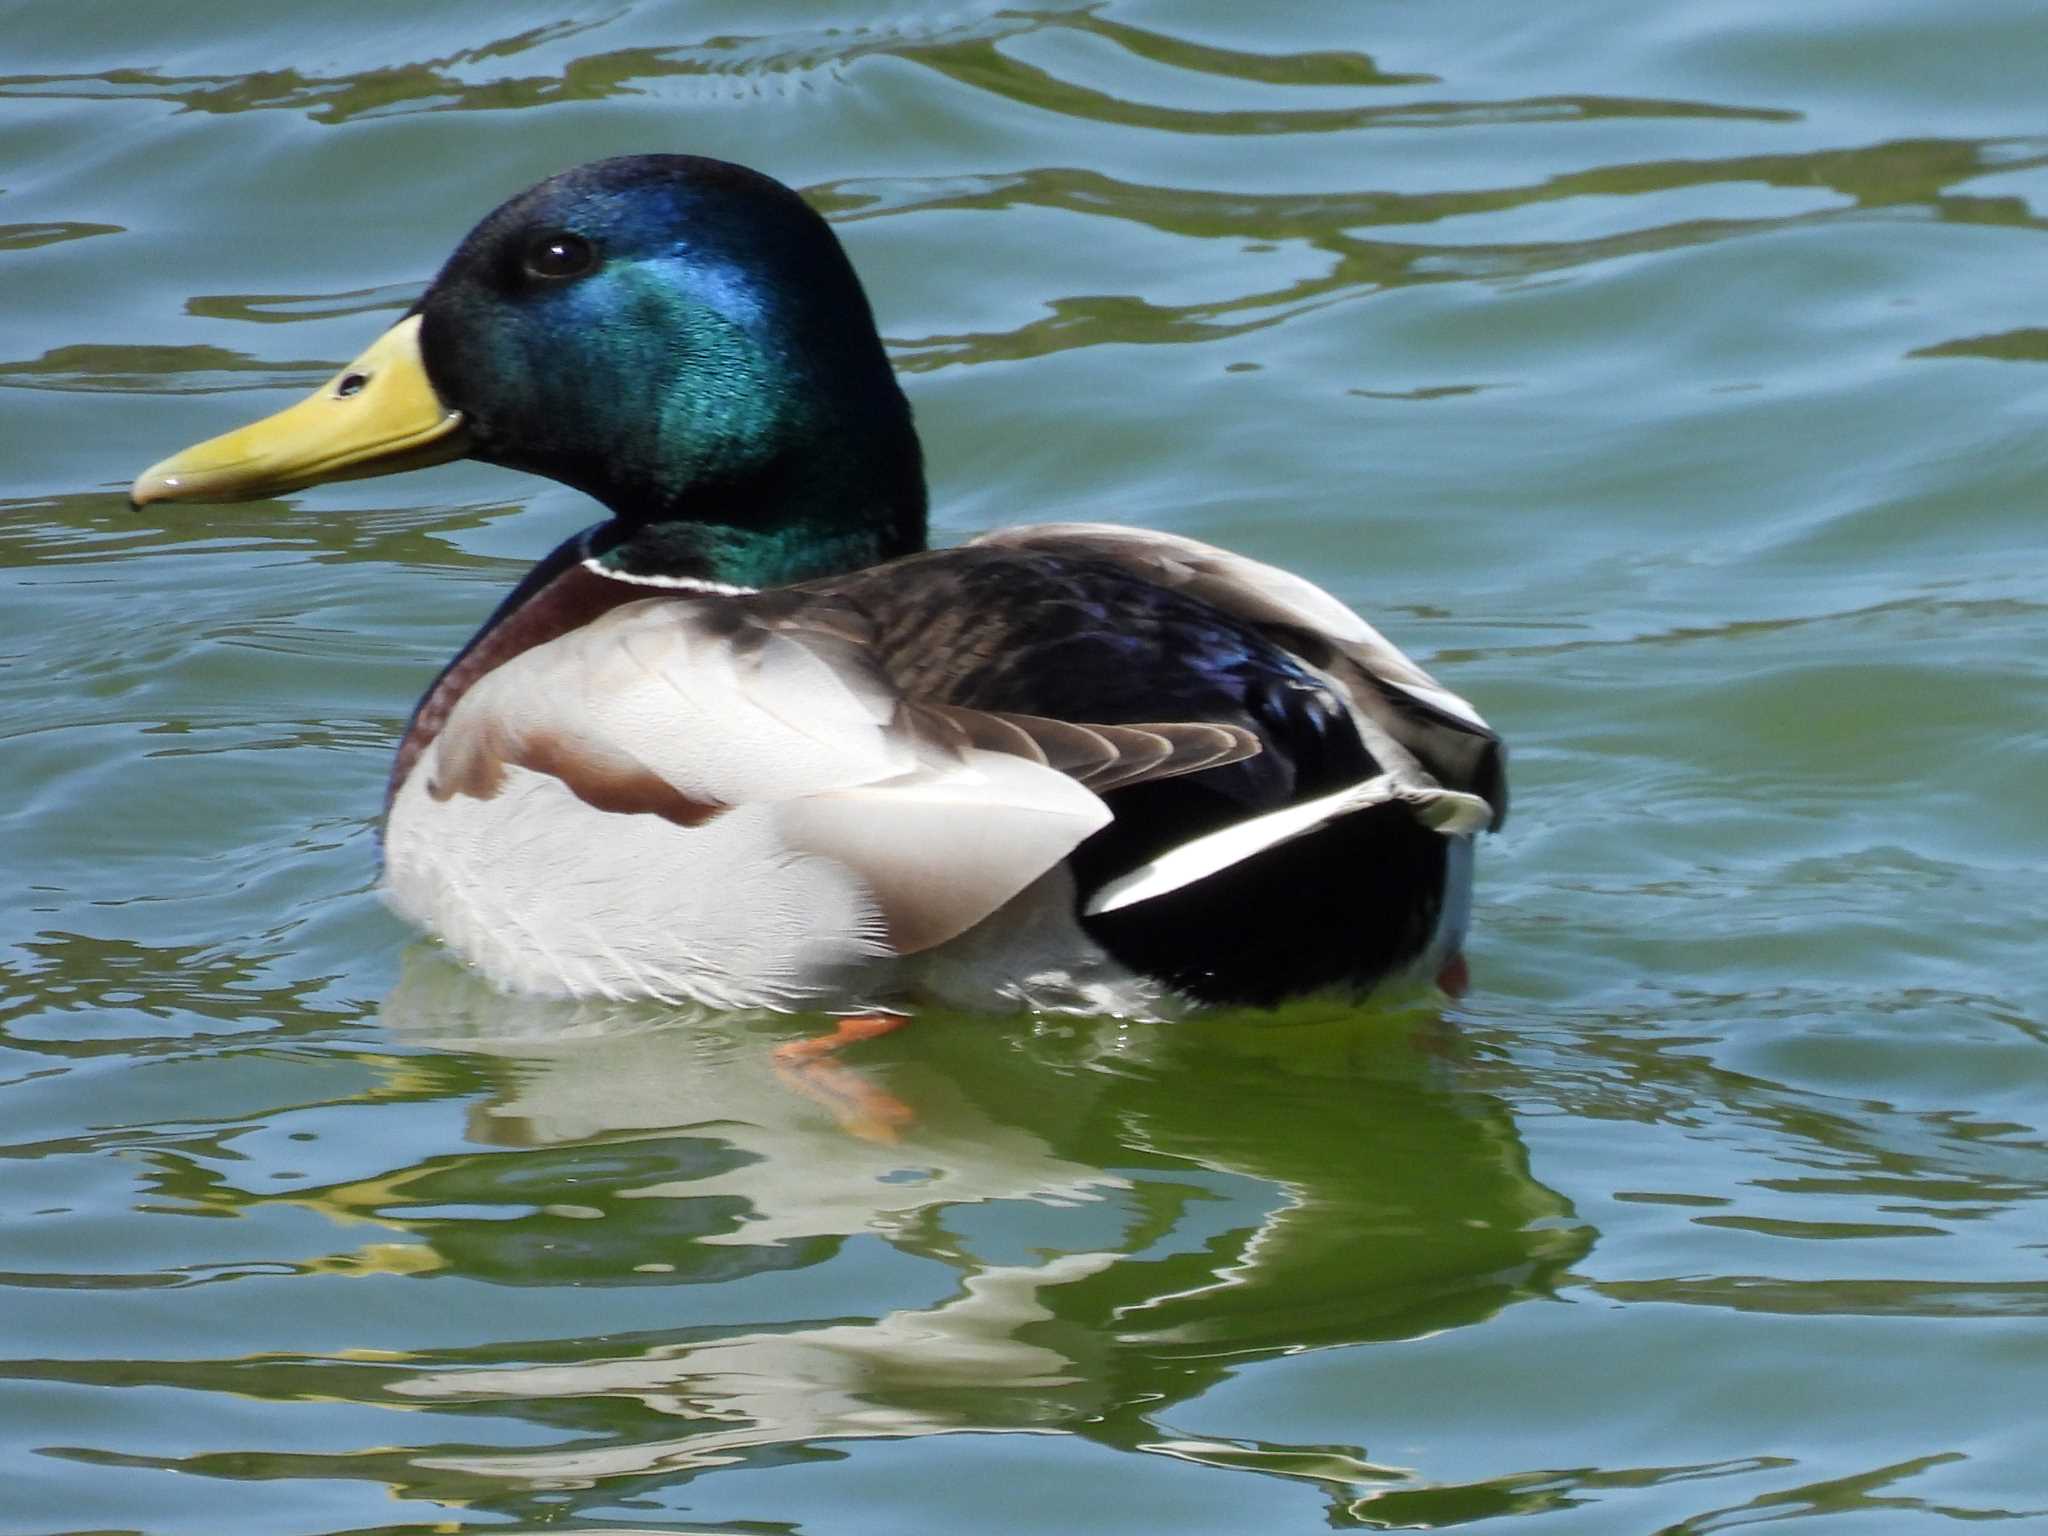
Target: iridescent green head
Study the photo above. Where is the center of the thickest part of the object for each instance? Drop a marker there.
(680, 338)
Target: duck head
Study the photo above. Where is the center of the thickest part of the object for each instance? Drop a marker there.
(681, 338)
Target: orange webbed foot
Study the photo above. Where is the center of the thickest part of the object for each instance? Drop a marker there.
(811, 1067)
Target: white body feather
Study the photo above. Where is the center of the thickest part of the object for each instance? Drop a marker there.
(830, 844)
(546, 894)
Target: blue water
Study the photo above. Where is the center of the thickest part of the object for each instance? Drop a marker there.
(1666, 377)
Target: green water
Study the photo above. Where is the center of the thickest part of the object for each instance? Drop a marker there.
(1666, 376)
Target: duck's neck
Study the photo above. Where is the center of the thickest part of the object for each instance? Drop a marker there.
(833, 490)
(792, 549)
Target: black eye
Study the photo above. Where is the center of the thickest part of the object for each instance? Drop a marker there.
(559, 254)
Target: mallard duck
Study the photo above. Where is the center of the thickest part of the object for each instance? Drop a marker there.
(749, 742)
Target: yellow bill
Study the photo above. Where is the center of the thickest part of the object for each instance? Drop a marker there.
(378, 415)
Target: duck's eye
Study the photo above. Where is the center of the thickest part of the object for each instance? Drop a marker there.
(559, 254)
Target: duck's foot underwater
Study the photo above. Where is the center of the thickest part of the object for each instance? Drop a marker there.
(811, 1067)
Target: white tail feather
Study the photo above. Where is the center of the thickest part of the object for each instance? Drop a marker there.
(1448, 811)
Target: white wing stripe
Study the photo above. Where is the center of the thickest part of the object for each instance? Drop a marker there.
(1448, 811)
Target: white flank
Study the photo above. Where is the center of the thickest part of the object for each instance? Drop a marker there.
(545, 894)
(783, 840)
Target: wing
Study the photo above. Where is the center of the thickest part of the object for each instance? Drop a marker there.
(1408, 718)
(769, 709)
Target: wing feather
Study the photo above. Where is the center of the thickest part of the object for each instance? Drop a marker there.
(1395, 701)
(940, 851)
(1102, 757)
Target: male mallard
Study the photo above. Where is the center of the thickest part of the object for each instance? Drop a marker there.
(748, 742)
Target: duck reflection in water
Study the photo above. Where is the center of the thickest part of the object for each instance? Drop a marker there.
(1115, 1217)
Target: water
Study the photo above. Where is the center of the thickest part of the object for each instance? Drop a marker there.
(1665, 376)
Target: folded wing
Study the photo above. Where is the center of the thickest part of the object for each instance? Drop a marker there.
(1421, 732)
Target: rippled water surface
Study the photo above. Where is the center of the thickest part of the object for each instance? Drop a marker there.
(1668, 376)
